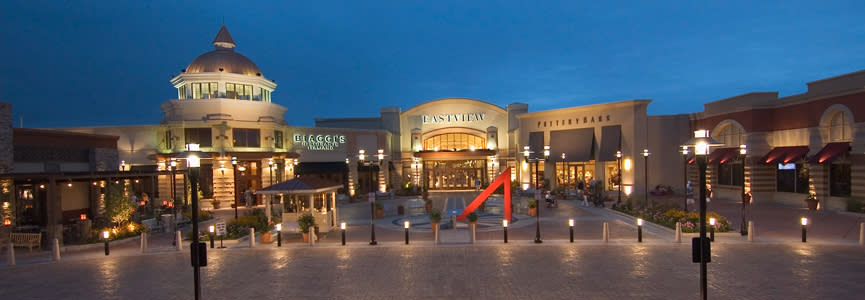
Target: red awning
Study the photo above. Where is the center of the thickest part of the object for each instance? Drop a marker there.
(723, 155)
(830, 152)
(785, 155)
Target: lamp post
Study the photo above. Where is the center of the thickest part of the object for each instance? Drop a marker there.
(193, 161)
(234, 178)
(646, 166)
(701, 143)
(746, 200)
(566, 180)
(172, 167)
(619, 170)
(685, 175)
(361, 155)
(211, 229)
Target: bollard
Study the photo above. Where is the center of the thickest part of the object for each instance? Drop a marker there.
(571, 229)
(342, 227)
(406, 231)
(252, 238)
(178, 239)
(436, 236)
(56, 249)
(750, 231)
(312, 237)
(474, 232)
(606, 232)
(639, 230)
(11, 260)
(862, 233)
(804, 229)
(505, 226)
(678, 234)
(143, 242)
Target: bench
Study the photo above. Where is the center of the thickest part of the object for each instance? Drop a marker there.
(29, 240)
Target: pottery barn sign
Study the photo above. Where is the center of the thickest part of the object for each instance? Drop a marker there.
(327, 142)
(452, 118)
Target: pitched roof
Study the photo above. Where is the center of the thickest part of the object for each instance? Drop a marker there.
(302, 185)
(223, 38)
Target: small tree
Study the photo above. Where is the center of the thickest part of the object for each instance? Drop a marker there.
(118, 209)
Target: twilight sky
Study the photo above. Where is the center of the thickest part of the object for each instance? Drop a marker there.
(88, 63)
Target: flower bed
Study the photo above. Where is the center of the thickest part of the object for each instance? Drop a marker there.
(668, 216)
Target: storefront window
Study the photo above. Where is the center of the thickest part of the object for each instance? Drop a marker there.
(731, 174)
(839, 180)
(792, 178)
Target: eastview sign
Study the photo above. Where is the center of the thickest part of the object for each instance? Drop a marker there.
(327, 142)
(452, 118)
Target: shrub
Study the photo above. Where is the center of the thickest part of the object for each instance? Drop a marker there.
(435, 216)
(473, 217)
(669, 216)
(203, 215)
(855, 205)
(533, 203)
(305, 222)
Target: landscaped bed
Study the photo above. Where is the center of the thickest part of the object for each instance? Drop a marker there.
(668, 216)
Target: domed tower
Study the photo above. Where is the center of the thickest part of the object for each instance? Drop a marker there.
(223, 104)
(222, 85)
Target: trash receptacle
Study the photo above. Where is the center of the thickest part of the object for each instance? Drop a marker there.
(166, 222)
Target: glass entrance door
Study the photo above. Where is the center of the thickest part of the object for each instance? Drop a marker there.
(454, 174)
(576, 173)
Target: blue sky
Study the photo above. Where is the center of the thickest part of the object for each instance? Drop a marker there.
(87, 63)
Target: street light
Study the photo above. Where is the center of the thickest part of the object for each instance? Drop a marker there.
(361, 155)
(193, 160)
(701, 143)
(172, 167)
(685, 175)
(646, 166)
(234, 177)
(746, 200)
(619, 170)
(566, 175)
(527, 151)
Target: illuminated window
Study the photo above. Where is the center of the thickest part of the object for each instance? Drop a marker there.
(450, 141)
(181, 92)
(264, 95)
(238, 91)
(205, 90)
(730, 135)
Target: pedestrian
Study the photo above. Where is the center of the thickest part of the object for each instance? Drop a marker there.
(689, 194)
(247, 196)
(581, 186)
(133, 199)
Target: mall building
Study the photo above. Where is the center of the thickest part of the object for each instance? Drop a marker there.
(794, 144)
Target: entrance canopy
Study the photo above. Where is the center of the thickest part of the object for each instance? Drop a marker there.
(611, 141)
(830, 152)
(576, 144)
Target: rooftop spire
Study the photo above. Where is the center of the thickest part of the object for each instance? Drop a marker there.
(223, 39)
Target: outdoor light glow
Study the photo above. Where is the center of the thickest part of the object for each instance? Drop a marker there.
(505, 223)
(639, 222)
(342, 225)
(211, 228)
(136, 180)
(472, 147)
(563, 155)
(619, 154)
(526, 151)
(712, 221)
(525, 165)
(627, 164)
(628, 190)
(380, 154)
(546, 151)
(571, 222)
(192, 147)
(702, 133)
(361, 154)
(645, 152)
(83, 217)
(193, 161)
(270, 161)
(5, 205)
(131, 227)
(346, 160)
(105, 234)
(7, 222)
(69, 184)
(405, 224)
(525, 186)
(743, 149)
(804, 221)
(279, 227)
(41, 186)
(701, 148)
(94, 183)
(685, 150)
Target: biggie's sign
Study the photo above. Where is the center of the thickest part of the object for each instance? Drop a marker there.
(326, 142)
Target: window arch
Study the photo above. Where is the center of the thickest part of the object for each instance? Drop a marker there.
(839, 127)
(731, 134)
(449, 141)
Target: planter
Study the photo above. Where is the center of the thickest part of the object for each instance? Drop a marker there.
(435, 226)
(812, 204)
(215, 204)
(266, 238)
(533, 211)
(305, 237)
(379, 213)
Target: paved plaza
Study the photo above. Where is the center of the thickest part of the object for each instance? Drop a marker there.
(775, 266)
